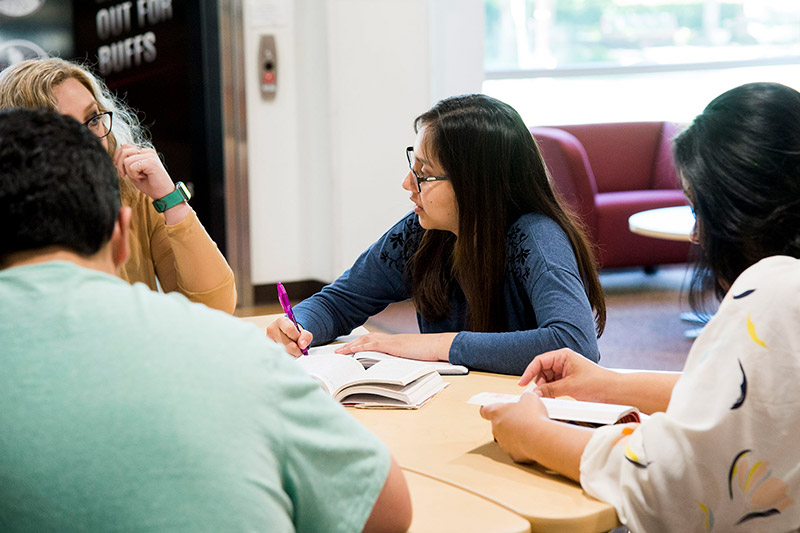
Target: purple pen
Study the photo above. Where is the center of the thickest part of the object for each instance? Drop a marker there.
(287, 308)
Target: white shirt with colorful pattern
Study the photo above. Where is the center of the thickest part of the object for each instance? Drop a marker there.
(726, 454)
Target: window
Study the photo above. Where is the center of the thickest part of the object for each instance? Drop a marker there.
(572, 61)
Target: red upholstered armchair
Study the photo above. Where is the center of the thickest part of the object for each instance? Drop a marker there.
(606, 173)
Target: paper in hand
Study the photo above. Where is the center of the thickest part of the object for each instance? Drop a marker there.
(488, 398)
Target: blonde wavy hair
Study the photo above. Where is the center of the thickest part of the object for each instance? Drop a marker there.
(30, 84)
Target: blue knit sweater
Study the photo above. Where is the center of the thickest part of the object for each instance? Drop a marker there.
(546, 304)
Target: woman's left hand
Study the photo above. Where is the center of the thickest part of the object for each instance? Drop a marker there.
(423, 347)
(144, 168)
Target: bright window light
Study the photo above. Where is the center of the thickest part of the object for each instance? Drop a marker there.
(579, 61)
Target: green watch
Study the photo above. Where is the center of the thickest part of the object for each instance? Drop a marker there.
(179, 195)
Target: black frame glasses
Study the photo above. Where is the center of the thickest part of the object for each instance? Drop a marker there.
(100, 124)
(420, 179)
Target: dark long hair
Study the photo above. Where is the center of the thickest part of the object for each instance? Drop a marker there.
(740, 165)
(498, 175)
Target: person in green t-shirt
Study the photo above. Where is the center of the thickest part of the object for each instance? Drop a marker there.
(129, 410)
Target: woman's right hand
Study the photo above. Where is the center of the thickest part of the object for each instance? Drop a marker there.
(144, 168)
(567, 373)
(283, 332)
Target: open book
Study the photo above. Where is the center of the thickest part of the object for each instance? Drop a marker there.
(370, 358)
(569, 410)
(399, 383)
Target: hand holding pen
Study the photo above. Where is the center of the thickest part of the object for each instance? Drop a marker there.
(287, 308)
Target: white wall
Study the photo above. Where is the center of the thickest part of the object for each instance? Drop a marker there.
(456, 47)
(273, 150)
(326, 156)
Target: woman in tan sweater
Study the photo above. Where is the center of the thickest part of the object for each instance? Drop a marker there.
(169, 248)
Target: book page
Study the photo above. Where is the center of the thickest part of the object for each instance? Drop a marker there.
(327, 349)
(394, 369)
(369, 358)
(411, 396)
(336, 372)
(566, 409)
(442, 367)
(353, 335)
(332, 371)
(592, 412)
(393, 372)
(343, 339)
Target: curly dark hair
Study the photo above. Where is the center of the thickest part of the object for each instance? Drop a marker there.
(58, 187)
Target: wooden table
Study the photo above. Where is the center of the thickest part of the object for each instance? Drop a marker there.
(448, 441)
(670, 223)
(438, 506)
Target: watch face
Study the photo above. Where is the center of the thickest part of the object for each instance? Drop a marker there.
(17, 50)
(184, 190)
(19, 8)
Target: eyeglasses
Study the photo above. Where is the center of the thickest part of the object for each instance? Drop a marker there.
(420, 179)
(100, 124)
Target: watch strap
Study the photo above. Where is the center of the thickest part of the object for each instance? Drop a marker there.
(179, 195)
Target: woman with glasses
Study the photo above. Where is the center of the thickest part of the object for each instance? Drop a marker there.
(495, 267)
(169, 246)
(720, 451)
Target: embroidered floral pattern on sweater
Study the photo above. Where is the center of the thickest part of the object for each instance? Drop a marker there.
(517, 255)
(403, 244)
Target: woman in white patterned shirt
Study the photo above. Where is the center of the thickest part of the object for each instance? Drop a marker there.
(719, 452)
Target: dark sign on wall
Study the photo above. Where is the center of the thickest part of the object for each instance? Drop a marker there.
(34, 28)
(162, 57)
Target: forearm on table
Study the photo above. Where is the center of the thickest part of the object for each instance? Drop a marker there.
(312, 315)
(650, 392)
(441, 343)
(343, 305)
(559, 446)
(334, 311)
(511, 352)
